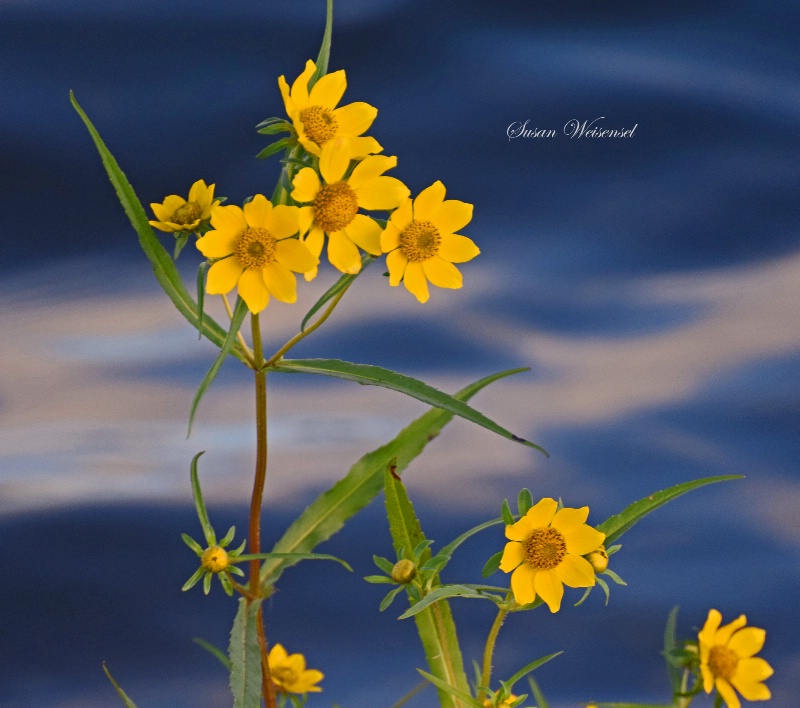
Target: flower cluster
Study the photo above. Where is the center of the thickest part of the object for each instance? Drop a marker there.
(258, 248)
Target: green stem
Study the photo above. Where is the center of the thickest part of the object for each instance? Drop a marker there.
(488, 651)
(413, 692)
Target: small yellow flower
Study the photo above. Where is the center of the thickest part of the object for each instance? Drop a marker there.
(289, 672)
(488, 703)
(256, 252)
(178, 214)
(215, 559)
(316, 117)
(545, 552)
(422, 244)
(728, 661)
(335, 201)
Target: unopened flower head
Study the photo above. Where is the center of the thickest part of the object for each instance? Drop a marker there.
(332, 204)
(728, 661)
(289, 672)
(317, 119)
(178, 214)
(404, 571)
(254, 251)
(599, 559)
(545, 553)
(422, 244)
(215, 559)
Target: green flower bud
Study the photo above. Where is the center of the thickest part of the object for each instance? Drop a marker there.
(598, 559)
(404, 571)
(214, 559)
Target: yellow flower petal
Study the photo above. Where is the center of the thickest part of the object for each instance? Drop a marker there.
(522, 584)
(369, 167)
(453, 215)
(751, 691)
(164, 226)
(575, 571)
(361, 147)
(355, 118)
(229, 218)
(442, 273)
(223, 275)
(328, 91)
(725, 632)
(253, 291)
(582, 539)
(216, 244)
(295, 255)
(300, 86)
(381, 193)
(197, 192)
(343, 253)
(566, 518)
(708, 678)
(707, 634)
(728, 694)
(314, 241)
(280, 282)
(415, 281)
(283, 221)
(520, 530)
(747, 641)
(306, 219)
(513, 555)
(334, 160)
(365, 233)
(165, 210)
(549, 588)
(286, 94)
(542, 513)
(277, 654)
(257, 212)
(428, 202)
(752, 669)
(457, 249)
(403, 215)
(306, 185)
(396, 264)
(390, 238)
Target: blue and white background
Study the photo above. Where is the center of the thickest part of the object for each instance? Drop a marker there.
(652, 284)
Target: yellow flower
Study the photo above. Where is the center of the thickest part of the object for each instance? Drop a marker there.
(289, 672)
(316, 117)
(422, 244)
(545, 552)
(335, 201)
(727, 660)
(178, 214)
(488, 703)
(256, 252)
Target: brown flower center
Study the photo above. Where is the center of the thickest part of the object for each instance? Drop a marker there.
(335, 206)
(545, 548)
(319, 123)
(420, 241)
(255, 248)
(722, 662)
(186, 213)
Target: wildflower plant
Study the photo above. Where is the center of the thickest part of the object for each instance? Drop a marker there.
(333, 188)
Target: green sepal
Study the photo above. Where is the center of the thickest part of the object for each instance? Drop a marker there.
(379, 579)
(201, 295)
(451, 690)
(389, 598)
(435, 564)
(239, 313)
(492, 565)
(615, 526)
(196, 577)
(228, 537)
(199, 503)
(226, 584)
(524, 501)
(277, 146)
(214, 651)
(370, 375)
(611, 574)
(207, 583)
(446, 591)
(127, 701)
(341, 284)
(269, 121)
(180, 242)
(506, 515)
(603, 584)
(383, 563)
(194, 545)
(279, 126)
(245, 656)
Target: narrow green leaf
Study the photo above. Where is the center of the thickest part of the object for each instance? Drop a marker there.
(450, 548)
(279, 126)
(452, 690)
(615, 526)
(369, 375)
(295, 557)
(389, 598)
(269, 121)
(447, 591)
(506, 515)
(197, 576)
(379, 579)
(492, 565)
(603, 584)
(525, 670)
(201, 295)
(342, 284)
(277, 146)
(214, 651)
(199, 503)
(180, 242)
(163, 266)
(670, 646)
(384, 564)
(239, 313)
(194, 545)
(541, 701)
(524, 501)
(329, 512)
(611, 574)
(245, 656)
(325, 48)
(127, 701)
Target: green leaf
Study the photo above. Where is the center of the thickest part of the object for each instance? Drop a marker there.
(180, 242)
(194, 545)
(245, 656)
(239, 313)
(200, 505)
(524, 501)
(295, 557)
(277, 146)
(342, 284)
(611, 574)
(329, 512)
(451, 690)
(450, 548)
(277, 126)
(198, 575)
(325, 48)
(492, 565)
(615, 526)
(446, 591)
(505, 513)
(384, 564)
(214, 651)
(127, 701)
(541, 701)
(269, 121)
(201, 295)
(389, 598)
(369, 375)
(163, 266)
(379, 579)
(525, 670)
(670, 646)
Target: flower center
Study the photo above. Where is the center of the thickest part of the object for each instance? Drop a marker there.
(335, 206)
(255, 248)
(214, 559)
(722, 662)
(320, 124)
(283, 676)
(545, 548)
(420, 241)
(186, 213)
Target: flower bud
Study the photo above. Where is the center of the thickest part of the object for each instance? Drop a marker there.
(598, 559)
(404, 571)
(214, 559)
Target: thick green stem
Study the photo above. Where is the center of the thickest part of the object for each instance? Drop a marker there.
(488, 651)
(257, 499)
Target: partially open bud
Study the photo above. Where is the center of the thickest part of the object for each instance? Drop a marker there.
(214, 559)
(598, 559)
(404, 571)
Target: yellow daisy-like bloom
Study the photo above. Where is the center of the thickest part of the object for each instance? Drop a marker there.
(545, 552)
(258, 255)
(727, 660)
(178, 214)
(316, 117)
(289, 672)
(422, 243)
(487, 703)
(335, 201)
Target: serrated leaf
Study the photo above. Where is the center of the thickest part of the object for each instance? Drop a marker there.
(239, 313)
(615, 526)
(524, 501)
(277, 146)
(329, 512)
(369, 375)
(446, 591)
(245, 656)
(163, 266)
(127, 701)
(492, 565)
